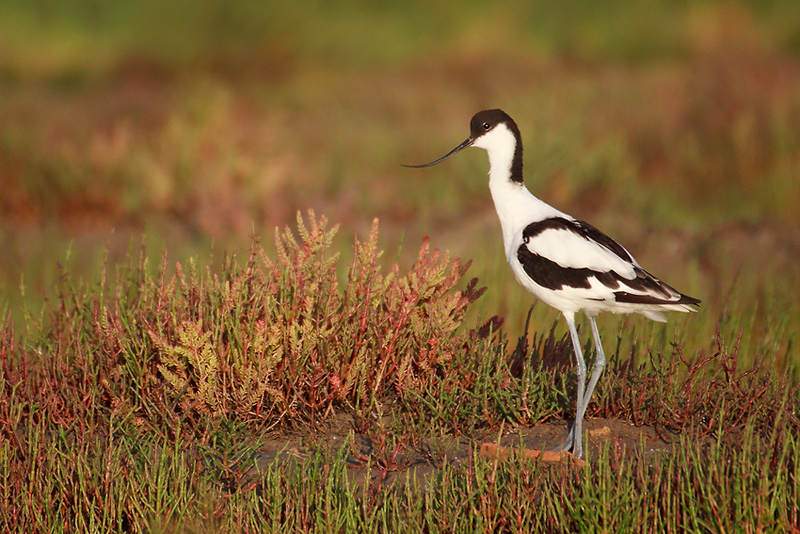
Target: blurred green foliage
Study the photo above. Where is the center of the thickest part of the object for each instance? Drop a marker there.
(52, 35)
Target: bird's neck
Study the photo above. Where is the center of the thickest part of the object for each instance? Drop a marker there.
(505, 160)
(516, 207)
(505, 181)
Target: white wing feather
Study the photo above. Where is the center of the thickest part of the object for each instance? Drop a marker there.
(568, 249)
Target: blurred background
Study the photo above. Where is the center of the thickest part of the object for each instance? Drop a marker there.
(193, 126)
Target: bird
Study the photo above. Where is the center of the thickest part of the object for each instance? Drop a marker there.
(563, 261)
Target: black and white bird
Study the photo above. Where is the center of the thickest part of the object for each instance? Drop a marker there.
(566, 263)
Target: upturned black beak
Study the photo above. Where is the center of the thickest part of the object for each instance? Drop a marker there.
(459, 148)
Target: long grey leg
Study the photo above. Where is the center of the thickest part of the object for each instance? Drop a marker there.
(575, 437)
(599, 365)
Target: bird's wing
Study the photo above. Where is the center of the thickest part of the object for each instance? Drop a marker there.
(560, 254)
(577, 245)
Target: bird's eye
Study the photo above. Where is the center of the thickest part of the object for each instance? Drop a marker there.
(486, 126)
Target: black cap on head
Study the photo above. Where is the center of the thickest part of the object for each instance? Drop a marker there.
(484, 121)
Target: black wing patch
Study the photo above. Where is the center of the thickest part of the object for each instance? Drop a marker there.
(551, 275)
(633, 298)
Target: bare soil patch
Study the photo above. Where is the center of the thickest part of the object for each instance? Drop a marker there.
(369, 465)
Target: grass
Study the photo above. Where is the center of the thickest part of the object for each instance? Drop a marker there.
(168, 493)
(142, 403)
(163, 367)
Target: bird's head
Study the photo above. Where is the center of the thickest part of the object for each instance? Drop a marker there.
(492, 130)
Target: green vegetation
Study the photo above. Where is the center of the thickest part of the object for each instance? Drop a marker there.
(162, 369)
